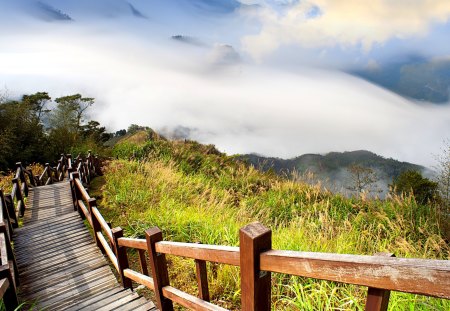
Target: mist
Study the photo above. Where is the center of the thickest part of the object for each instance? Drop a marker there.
(139, 74)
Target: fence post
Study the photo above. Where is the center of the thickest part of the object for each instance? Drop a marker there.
(69, 164)
(73, 190)
(10, 296)
(377, 298)
(49, 174)
(202, 279)
(6, 212)
(22, 178)
(159, 268)
(255, 284)
(19, 197)
(122, 258)
(10, 254)
(95, 224)
(11, 210)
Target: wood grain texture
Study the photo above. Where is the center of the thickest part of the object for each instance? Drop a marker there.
(255, 284)
(60, 267)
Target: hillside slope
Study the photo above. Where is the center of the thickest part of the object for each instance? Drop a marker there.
(194, 193)
(331, 169)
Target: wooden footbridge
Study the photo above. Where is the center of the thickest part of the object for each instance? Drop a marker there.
(52, 262)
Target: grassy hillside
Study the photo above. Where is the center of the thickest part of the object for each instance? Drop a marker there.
(331, 169)
(196, 194)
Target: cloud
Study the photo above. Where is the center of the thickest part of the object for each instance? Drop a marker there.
(139, 75)
(344, 23)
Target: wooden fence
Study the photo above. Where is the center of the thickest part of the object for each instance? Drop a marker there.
(381, 273)
(12, 206)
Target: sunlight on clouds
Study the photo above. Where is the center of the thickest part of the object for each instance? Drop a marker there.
(344, 23)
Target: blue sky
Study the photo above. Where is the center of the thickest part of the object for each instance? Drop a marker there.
(279, 78)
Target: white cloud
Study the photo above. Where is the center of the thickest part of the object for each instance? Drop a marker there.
(139, 76)
(344, 23)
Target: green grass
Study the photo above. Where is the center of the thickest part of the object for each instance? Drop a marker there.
(195, 194)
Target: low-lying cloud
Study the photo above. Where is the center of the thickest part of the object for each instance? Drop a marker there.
(143, 78)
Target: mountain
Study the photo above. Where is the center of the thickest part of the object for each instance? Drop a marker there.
(414, 77)
(331, 169)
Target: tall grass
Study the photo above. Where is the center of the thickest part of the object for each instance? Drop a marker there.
(195, 194)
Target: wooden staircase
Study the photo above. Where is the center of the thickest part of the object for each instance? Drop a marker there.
(60, 267)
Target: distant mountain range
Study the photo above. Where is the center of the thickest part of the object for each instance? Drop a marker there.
(332, 169)
(413, 77)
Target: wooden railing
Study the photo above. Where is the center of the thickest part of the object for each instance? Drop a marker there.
(12, 206)
(9, 274)
(381, 273)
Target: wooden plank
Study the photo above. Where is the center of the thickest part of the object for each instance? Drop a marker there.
(118, 303)
(136, 305)
(418, 276)
(4, 285)
(378, 299)
(98, 300)
(213, 253)
(149, 306)
(103, 223)
(133, 243)
(189, 301)
(139, 278)
(108, 250)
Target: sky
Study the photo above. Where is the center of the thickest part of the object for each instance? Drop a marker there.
(270, 77)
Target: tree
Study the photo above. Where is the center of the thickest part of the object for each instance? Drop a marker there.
(37, 103)
(93, 130)
(21, 134)
(75, 106)
(362, 178)
(66, 122)
(443, 172)
(412, 182)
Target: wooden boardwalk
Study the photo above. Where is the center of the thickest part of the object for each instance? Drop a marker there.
(60, 267)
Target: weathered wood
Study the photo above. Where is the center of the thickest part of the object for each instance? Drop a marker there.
(158, 265)
(122, 257)
(11, 210)
(419, 276)
(59, 264)
(133, 243)
(21, 176)
(213, 253)
(95, 223)
(255, 284)
(5, 213)
(107, 250)
(19, 196)
(202, 279)
(378, 299)
(10, 256)
(140, 278)
(189, 301)
(8, 295)
(102, 222)
(143, 262)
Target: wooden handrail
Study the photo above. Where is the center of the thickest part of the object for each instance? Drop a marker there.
(103, 223)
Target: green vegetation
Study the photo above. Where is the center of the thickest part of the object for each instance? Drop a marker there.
(35, 129)
(196, 194)
(423, 189)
